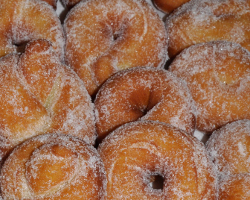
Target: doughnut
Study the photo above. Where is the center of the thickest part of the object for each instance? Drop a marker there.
(168, 6)
(39, 94)
(138, 152)
(25, 20)
(229, 148)
(143, 93)
(200, 21)
(217, 74)
(103, 37)
(53, 166)
(235, 187)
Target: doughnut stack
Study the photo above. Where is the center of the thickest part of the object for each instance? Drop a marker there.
(124, 99)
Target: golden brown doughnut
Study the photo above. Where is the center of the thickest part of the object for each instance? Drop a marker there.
(143, 93)
(201, 21)
(53, 166)
(137, 152)
(103, 37)
(168, 6)
(229, 148)
(38, 94)
(236, 187)
(218, 76)
(24, 20)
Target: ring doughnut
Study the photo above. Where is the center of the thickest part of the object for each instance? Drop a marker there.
(168, 6)
(200, 21)
(39, 94)
(120, 34)
(53, 166)
(229, 148)
(25, 20)
(137, 152)
(143, 93)
(217, 74)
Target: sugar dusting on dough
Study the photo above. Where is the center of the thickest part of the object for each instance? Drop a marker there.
(125, 34)
(218, 78)
(144, 94)
(149, 148)
(88, 169)
(223, 20)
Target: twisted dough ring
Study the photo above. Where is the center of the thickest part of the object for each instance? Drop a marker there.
(135, 152)
(25, 20)
(201, 21)
(39, 94)
(53, 166)
(103, 37)
(228, 148)
(218, 76)
(144, 93)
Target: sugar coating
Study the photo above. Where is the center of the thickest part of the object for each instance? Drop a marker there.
(103, 37)
(203, 20)
(218, 76)
(74, 166)
(24, 20)
(41, 95)
(229, 148)
(235, 187)
(144, 93)
(137, 150)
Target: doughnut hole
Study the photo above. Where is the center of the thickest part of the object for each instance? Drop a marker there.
(156, 181)
(20, 47)
(49, 168)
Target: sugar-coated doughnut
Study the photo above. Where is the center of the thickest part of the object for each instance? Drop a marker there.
(218, 75)
(103, 37)
(53, 166)
(137, 152)
(236, 187)
(24, 20)
(229, 148)
(143, 93)
(205, 20)
(168, 6)
(39, 94)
